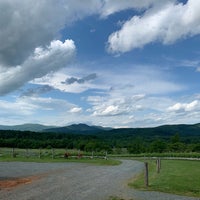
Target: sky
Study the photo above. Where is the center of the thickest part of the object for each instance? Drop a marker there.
(112, 63)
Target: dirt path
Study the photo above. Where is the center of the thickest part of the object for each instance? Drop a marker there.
(72, 181)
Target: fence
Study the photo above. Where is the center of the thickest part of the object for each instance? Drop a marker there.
(49, 153)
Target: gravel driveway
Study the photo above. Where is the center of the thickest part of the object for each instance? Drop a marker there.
(74, 181)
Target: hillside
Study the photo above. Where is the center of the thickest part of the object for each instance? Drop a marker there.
(165, 131)
(84, 137)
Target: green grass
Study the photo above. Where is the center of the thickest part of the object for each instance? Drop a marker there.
(176, 176)
(95, 161)
(32, 155)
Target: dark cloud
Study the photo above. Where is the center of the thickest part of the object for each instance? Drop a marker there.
(37, 91)
(54, 57)
(72, 80)
(27, 24)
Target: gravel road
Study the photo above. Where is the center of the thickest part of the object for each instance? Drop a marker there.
(74, 181)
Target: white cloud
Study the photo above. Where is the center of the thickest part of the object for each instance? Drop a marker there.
(141, 80)
(27, 24)
(110, 110)
(132, 79)
(184, 107)
(109, 6)
(165, 24)
(26, 30)
(76, 110)
(44, 60)
(58, 81)
(37, 110)
(112, 105)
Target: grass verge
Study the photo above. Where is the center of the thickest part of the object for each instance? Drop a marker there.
(176, 176)
(95, 161)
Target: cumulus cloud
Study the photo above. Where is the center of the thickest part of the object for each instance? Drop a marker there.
(166, 24)
(43, 61)
(184, 107)
(26, 30)
(27, 24)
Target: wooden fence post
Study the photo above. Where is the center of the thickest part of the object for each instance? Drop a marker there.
(106, 156)
(146, 174)
(27, 153)
(13, 153)
(158, 165)
(52, 151)
(40, 153)
(92, 154)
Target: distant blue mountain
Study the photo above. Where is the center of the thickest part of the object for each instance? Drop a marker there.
(74, 128)
(164, 131)
(78, 128)
(26, 127)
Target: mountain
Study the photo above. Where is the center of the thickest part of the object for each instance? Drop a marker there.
(186, 132)
(26, 127)
(78, 128)
(165, 131)
(74, 128)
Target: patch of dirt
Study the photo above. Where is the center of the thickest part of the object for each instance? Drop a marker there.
(11, 183)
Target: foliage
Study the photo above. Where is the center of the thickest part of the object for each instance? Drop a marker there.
(134, 141)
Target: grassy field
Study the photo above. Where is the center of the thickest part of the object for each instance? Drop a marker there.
(57, 155)
(176, 176)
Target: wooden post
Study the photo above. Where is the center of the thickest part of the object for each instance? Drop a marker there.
(158, 165)
(27, 153)
(92, 154)
(146, 174)
(52, 151)
(40, 153)
(13, 152)
(106, 155)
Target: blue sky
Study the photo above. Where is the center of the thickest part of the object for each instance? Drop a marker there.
(133, 63)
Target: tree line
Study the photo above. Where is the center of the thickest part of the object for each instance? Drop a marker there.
(112, 142)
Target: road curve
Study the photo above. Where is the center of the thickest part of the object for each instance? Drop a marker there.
(74, 181)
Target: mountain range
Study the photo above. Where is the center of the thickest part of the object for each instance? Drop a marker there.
(74, 128)
(165, 130)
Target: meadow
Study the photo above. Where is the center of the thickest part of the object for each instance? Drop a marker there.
(55, 155)
(176, 176)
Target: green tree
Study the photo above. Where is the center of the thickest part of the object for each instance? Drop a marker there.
(158, 146)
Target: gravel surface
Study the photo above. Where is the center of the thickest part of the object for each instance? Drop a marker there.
(75, 181)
